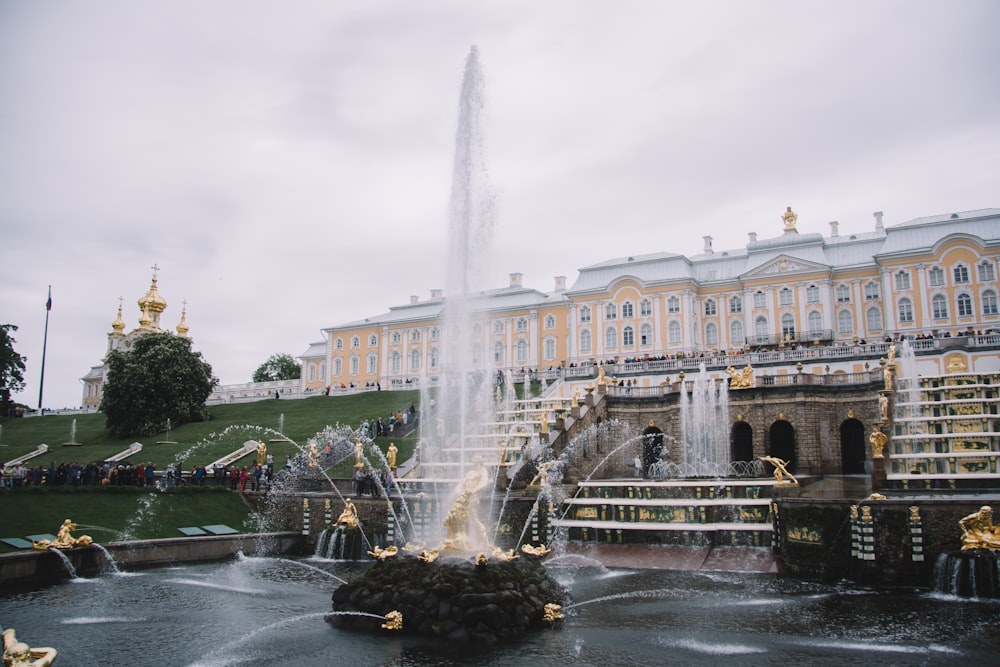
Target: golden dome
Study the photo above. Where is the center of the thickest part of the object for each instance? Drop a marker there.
(152, 300)
(118, 326)
(182, 327)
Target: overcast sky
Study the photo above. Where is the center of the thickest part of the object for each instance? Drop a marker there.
(287, 164)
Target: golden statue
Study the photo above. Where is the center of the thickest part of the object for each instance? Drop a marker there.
(553, 612)
(19, 654)
(883, 406)
(543, 474)
(541, 551)
(393, 621)
(349, 517)
(378, 553)
(390, 455)
(482, 559)
(876, 496)
(261, 452)
(789, 219)
(740, 379)
(428, 556)
(313, 456)
(877, 440)
(64, 539)
(508, 555)
(780, 470)
(892, 352)
(463, 512)
(602, 380)
(979, 531)
(575, 401)
(359, 454)
(887, 374)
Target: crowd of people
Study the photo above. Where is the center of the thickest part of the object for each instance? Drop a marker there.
(95, 473)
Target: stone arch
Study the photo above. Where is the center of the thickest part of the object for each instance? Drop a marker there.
(782, 443)
(852, 447)
(741, 442)
(652, 445)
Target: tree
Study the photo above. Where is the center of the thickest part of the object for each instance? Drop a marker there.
(278, 367)
(11, 368)
(157, 379)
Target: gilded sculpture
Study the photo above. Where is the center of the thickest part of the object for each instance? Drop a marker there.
(979, 531)
(393, 621)
(64, 539)
(19, 654)
(261, 452)
(883, 407)
(543, 474)
(780, 470)
(789, 218)
(359, 454)
(378, 553)
(740, 379)
(349, 517)
(463, 515)
(539, 552)
(877, 440)
(390, 455)
(552, 612)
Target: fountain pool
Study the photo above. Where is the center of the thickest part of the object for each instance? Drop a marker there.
(264, 611)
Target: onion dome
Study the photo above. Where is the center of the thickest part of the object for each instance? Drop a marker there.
(118, 326)
(182, 327)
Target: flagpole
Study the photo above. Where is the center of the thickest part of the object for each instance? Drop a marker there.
(45, 342)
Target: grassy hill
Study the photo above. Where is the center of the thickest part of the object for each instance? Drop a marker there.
(229, 427)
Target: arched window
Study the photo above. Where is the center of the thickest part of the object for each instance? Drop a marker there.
(434, 358)
(584, 313)
(939, 306)
(736, 332)
(550, 321)
(845, 322)
(760, 327)
(522, 324)
(611, 311)
(312, 372)
(499, 352)
(735, 305)
(549, 346)
(372, 340)
(338, 344)
(322, 370)
(871, 291)
(843, 293)
(812, 294)
(986, 273)
(395, 338)
(964, 305)
(414, 360)
(788, 327)
(498, 327)
(784, 297)
(338, 367)
(610, 338)
(355, 365)
(711, 334)
(674, 332)
(521, 351)
(815, 324)
(905, 307)
(903, 281)
(585, 341)
(646, 334)
(372, 364)
(961, 273)
(435, 333)
(395, 362)
(355, 342)
(628, 336)
(645, 307)
(415, 336)
(935, 276)
(710, 307)
(989, 299)
(873, 319)
(673, 305)
(627, 310)
(759, 299)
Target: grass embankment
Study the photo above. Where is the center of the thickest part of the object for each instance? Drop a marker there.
(143, 514)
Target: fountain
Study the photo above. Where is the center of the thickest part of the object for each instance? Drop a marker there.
(975, 570)
(72, 436)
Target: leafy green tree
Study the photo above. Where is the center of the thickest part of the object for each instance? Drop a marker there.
(278, 367)
(11, 368)
(159, 378)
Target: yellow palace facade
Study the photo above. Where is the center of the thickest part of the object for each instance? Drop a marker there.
(934, 276)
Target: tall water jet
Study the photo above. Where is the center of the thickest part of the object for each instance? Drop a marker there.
(705, 427)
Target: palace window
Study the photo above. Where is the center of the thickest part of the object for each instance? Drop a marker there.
(964, 305)
(355, 365)
(735, 305)
(477, 354)
(646, 334)
(673, 305)
(434, 358)
(812, 294)
(435, 333)
(645, 307)
(784, 297)
(903, 281)
(499, 353)
(985, 271)
(395, 338)
(395, 362)
(628, 337)
(627, 309)
(935, 277)
(711, 334)
(322, 370)
(372, 363)
(710, 308)
(477, 330)
(550, 321)
(759, 300)
(905, 308)
(338, 367)
(845, 322)
(815, 324)
(585, 340)
(414, 360)
(584, 313)
(521, 351)
(498, 327)
(871, 291)
(312, 372)
(549, 345)
(522, 324)
(674, 332)
(610, 338)
(788, 327)
(736, 332)
(611, 311)
(961, 273)
(355, 342)
(338, 344)
(843, 294)
(372, 340)
(989, 299)
(873, 319)
(939, 306)
(415, 336)
(760, 327)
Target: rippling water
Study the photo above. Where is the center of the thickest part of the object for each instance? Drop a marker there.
(258, 611)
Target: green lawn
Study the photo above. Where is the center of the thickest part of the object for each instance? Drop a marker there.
(229, 427)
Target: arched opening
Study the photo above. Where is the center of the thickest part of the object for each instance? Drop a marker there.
(741, 440)
(852, 447)
(652, 445)
(782, 443)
